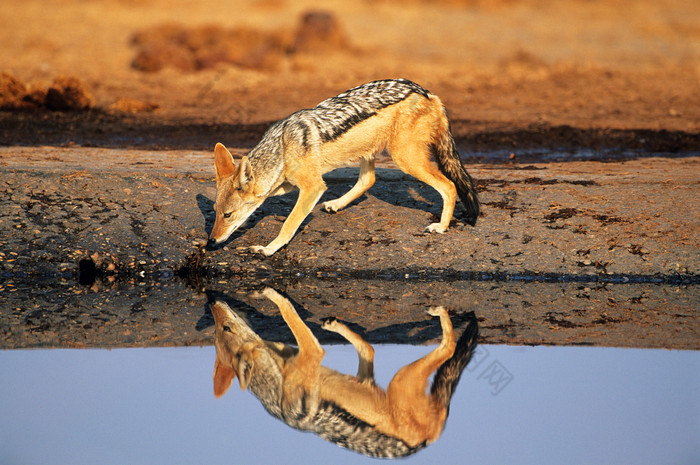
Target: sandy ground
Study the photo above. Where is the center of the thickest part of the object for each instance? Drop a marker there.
(498, 66)
(609, 250)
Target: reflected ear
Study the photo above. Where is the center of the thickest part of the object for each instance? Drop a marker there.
(223, 377)
(223, 163)
(244, 371)
(245, 175)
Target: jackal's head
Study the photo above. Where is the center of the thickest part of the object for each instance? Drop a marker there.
(235, 348)
(235, 194)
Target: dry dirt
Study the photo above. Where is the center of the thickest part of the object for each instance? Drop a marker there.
(512, 73)
(109, 110)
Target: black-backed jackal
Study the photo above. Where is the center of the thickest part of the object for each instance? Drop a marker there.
(397, 115)
(351, 411)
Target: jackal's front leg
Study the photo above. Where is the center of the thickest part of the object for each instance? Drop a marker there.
(364, 182)
(308, 197)
(365, 352)
(310, 351)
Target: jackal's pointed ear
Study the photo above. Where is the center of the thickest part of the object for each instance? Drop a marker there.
(245, 175)
(223, 377)
(223, 162)
(244, 370)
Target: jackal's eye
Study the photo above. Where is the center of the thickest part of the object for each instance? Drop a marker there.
(226, 329)
(228, 215)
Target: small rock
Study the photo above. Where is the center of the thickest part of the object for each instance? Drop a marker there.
(319, 31)
(68, 94)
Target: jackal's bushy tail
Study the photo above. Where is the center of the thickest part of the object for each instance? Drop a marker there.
(451, 166)
(447, 376)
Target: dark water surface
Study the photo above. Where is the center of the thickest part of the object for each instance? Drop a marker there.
(173, 312)
(514, 404)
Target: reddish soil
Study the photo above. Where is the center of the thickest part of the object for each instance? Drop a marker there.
(512, 73)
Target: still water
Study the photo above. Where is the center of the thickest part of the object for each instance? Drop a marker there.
(514, 404)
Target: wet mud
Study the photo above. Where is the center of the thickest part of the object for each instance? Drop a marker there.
(173, 311)
(112, 253)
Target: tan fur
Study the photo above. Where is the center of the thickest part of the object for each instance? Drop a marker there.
(407, 130)
(404, 411)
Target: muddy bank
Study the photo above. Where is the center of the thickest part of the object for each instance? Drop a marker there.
(171, 311)
(104, 247)
(131, 211)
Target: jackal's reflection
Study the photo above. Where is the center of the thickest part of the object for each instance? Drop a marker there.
(351, 411)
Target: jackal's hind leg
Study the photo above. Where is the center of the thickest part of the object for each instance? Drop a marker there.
(365, 352)
(406, 394)
(412, 380)
(414, 159)
(448, 338)
(364, 182)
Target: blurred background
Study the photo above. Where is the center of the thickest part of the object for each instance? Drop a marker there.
(501, 63)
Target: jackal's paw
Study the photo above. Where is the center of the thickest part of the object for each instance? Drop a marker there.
(437, 311)
(330, 323)
(331, 207)
(262, 250)
(436, 228)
